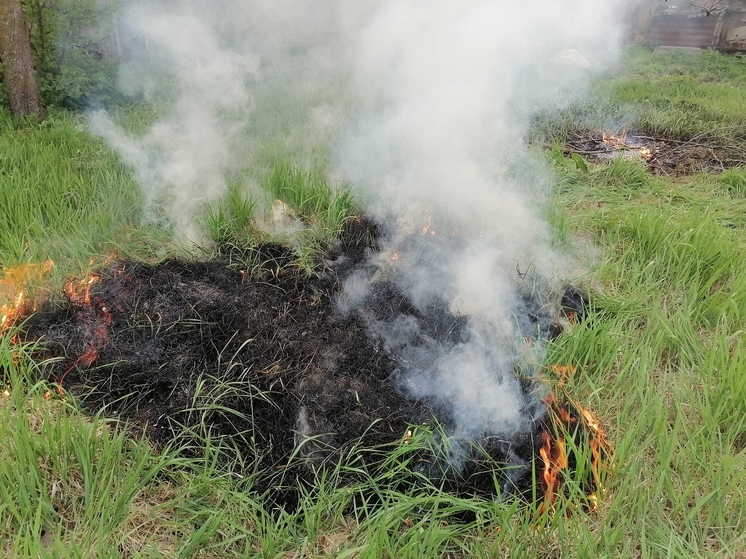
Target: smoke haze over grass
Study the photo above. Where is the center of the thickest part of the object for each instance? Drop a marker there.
(434, 101)
(182, 160)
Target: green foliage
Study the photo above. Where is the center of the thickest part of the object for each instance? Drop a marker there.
(666, 333)
(676, 96)
(74, 46)
(64, 195)
(309, 193)
(305, 215)
(231, 220)
(59, 472)
(620, 173)
(309, 200)
(659, 357)
(617, 174)
(734, 182)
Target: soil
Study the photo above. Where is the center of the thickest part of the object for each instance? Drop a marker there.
(266, 366)
(661, 156)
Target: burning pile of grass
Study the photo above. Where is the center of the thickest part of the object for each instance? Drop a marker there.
(270, 370)
(662, 156)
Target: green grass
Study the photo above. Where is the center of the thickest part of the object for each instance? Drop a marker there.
(303, 212)
(675, 96)
(660, 358)
(680, 96)
(67, 198)
(667, 335)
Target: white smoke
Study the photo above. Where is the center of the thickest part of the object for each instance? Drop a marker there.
(182, 159)
(447, 91)
(430, 101)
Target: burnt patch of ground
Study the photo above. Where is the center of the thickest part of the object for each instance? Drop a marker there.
(190, 349)
(264, 364)
(661, 156)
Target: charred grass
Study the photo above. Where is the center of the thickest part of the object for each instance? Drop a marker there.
(660, 358)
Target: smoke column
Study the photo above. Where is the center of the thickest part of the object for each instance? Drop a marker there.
(447, 91)
(432, 100)
(182, 160)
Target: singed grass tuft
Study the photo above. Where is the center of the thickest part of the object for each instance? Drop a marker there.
(309, 194)
(306, 214)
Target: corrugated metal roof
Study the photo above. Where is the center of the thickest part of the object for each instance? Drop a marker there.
(682, 31)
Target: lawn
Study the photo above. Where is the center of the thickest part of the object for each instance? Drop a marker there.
(659, 357)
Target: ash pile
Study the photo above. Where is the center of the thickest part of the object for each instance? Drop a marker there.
(290, 372)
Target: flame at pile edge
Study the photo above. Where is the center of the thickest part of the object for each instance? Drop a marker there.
(570, 419)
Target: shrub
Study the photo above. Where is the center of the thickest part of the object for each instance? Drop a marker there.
(74, 45)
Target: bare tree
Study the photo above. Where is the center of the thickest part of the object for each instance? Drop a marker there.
(711, 6)
(15, 54)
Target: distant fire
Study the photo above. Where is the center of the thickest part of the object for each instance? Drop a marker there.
(646, 153)
(625, 142)
(613, 141)
(428, 229)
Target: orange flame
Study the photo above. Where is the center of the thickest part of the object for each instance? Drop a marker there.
(13, 289)
(554, 455)
(613, 141)
(599, 445)
(553, 451)
(564, 372)
(646, 153)
(622, 142)
(79, 293)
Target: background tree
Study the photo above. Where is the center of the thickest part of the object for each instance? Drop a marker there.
(75, 44)
(18, 67)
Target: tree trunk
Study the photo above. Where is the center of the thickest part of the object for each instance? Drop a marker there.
(15, 54)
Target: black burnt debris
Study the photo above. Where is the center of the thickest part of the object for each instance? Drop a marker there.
(267, 366)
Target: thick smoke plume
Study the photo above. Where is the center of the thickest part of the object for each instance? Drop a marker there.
(447, 91)
(433, 100)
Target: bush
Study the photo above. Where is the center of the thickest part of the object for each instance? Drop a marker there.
(74, 45)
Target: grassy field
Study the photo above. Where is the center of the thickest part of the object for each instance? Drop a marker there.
(661, 357)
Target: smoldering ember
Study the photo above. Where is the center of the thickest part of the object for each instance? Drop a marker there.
(264, 359)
